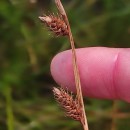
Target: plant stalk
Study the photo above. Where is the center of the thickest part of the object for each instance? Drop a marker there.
(9, 111)
(75, 65)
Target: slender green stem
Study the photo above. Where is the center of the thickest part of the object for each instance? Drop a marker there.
(9, 111)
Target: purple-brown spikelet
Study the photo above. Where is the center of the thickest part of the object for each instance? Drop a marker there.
(70, 105)
(55, 24)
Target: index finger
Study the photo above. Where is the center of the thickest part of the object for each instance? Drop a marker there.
(104, 72)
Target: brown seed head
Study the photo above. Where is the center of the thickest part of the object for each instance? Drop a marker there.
(69, 104)
(55, 24)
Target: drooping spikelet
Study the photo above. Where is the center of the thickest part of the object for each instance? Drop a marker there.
(55, 24)
(70, 105)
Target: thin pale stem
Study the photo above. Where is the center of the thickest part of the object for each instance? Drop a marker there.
(114, 113)
(76, 71)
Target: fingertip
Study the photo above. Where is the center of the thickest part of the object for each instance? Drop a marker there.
(61, 69)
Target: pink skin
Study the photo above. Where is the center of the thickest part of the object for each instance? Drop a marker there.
(104, 72)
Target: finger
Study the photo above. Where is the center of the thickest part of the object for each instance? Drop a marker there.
(104, 72)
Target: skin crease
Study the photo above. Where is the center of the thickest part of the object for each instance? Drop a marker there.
(104, 72)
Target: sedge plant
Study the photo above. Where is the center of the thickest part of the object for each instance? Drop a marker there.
(73, 106)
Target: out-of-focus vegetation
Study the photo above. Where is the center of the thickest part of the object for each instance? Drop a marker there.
(26, 50)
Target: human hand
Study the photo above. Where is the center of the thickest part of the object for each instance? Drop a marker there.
(104, 72)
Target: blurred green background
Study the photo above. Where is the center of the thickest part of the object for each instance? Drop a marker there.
(26, 51)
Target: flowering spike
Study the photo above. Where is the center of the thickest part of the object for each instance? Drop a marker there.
(55, 24)
(68, 103)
